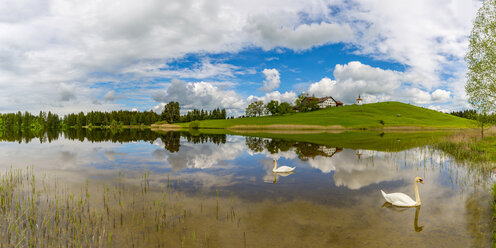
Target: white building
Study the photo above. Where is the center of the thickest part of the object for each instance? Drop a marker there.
(328, 101)
(358, 101)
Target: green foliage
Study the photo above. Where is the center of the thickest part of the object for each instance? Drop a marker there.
(21, 122)
(112, 119)
(194, 125)
(468, 114)
(272, 107)
(481, 60)
(306, 104)
(171, 112)
(284, 108)
(196, 114)
(255, 108)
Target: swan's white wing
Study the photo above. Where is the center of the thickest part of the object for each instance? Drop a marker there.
(399, 199)
(284, 169)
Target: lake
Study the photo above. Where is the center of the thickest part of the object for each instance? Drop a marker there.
(218, 190)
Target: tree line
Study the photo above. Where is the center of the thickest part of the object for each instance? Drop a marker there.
(302, 104)
(22, 121)
(172, 110)
(111, 119)
(19, 121)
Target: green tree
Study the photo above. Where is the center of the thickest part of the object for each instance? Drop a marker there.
(171, 112)
(255, 108)
(272, 107)
(284, 108)
(481, 62)
(305, 104)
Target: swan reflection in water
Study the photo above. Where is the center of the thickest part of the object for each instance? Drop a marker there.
(402, 209)
(282, 174)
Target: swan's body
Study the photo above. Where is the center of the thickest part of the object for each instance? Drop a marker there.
(402, 200)
(282, 169)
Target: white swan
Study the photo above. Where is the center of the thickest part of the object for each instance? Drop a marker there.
(282, 169)
(283, 174)
(402, 200)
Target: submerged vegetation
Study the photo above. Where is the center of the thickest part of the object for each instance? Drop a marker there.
(37, 213)
(468, 147)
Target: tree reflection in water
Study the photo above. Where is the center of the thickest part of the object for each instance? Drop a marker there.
(171, 140)
(304, 150)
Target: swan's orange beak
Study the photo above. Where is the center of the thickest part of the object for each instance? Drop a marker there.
(421, 181)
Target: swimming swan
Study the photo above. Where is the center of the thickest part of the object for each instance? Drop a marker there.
(402, 200)
(282, 169)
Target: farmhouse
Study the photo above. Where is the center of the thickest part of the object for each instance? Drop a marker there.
(328, 101)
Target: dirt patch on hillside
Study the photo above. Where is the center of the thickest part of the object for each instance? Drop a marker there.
(293, 131)
(418, 128)
(165, 127)
(285, 127)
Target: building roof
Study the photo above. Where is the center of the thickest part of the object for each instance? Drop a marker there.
(322, 99)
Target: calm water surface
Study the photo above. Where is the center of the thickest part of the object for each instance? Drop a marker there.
(332, 200)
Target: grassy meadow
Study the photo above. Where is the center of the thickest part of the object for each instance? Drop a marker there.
(368, 116)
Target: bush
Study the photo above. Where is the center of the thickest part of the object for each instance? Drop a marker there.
(194, 125)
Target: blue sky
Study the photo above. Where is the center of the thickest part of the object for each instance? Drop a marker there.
(81, 56)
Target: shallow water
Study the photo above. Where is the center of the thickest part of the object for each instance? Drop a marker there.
(332, 200)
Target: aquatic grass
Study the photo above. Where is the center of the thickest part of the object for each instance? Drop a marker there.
(470, 150)
(45, 213)
(494, 215)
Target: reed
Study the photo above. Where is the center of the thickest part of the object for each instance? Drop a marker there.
(42, 212)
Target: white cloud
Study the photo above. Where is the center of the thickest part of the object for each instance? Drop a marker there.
(440, 95)
(288, 97)
(67, 92)
(269, 34)
(111, 96)
(201, 70)
(272, 80)
(199, 95)
(429, 37)
(47, 43)
(373, 85)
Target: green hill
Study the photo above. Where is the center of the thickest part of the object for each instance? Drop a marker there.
(388, 115)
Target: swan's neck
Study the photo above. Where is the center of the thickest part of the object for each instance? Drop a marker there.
(417, 196)
(275, 165)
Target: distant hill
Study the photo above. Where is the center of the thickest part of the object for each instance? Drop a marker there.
(384, 115)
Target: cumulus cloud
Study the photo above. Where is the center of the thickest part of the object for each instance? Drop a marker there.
(45, 43)
(199, 95)
(373, 85)
(272, 80)
(288, 97)
(269, 34)
(356, 78)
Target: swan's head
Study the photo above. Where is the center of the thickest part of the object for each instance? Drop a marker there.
(274, 160)
(419, 180)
